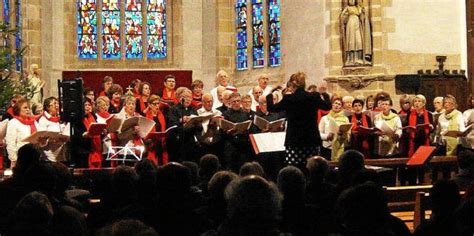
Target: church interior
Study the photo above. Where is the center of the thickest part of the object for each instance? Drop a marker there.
(236, 117)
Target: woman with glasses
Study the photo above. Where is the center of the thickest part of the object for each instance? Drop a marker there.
(50, 121)
(156, 149)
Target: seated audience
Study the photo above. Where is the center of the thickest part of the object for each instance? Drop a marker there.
(253, 206)
(251, 168)
(208, 165)
(445, 198)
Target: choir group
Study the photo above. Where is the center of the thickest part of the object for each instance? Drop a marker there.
(369, 125)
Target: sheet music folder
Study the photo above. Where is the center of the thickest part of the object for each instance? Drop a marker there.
(422, 154)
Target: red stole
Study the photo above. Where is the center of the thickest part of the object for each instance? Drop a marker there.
(142, 104)
(197, 102)
(412, 122)
(321, 113)
(104, 114)
(28, 120)
(117, 105)
(152, 150)
(136, 94)
(102, 93)
(365, 142)
(171, 98)
(54, 119)
(10, 111)
(95, 156)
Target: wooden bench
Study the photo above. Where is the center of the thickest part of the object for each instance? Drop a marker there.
(401, 161)
(423, 207)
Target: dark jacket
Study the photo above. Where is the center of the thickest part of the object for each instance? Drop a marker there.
(301, 109)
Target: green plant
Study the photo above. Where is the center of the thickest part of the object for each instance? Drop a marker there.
(12, 82)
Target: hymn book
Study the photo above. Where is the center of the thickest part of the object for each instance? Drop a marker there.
(416, 127)
(456, 133)
(50, 136)
(95, 129)
(238, 128)
(339, 128)
(197, 120)
(160, 135)
(272, 126)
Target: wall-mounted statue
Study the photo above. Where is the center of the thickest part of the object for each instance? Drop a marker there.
(356, 33)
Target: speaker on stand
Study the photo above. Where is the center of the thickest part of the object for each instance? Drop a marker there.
(71, 108)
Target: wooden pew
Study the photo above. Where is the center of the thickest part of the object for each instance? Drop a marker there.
(401, 161)
(423, 207)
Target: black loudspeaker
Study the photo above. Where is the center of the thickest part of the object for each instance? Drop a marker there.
(71, 100)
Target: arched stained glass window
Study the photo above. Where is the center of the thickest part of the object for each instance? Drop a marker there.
(87, 29)
(241, 26)
(258, 51)
(133, 29)
(266, 34)
(111, 29)
(156, 29)
(274, 32)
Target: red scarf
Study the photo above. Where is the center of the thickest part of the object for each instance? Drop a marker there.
(171, 98)
(104, 114)
(27, 120)
(321, 113)
(142, 104)
(412, 122)
(10, 111)
(152, 150)
(54, 119)
(95, 156)
(197, 102)
(102, 93)
(136, 94)
(355, 128)
(116, 104)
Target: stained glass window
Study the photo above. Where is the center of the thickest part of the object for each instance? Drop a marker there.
(6, 19)
(274, 32)
(18, 22)
(111, 29)
(87, 29)
(133, 29)
(258, 50)
(156, 29)
(242, 42)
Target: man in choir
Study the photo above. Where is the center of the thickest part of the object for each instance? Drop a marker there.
(115, 95)
(168, 95)
(142, 102)
(237, 146)
(50, 121)
(107, 82)
(182, 145)
(222, 79)
(333, 143)
(156, 148)
(210, 138)
(19, 127)
(219, 90)
(388, 141)
(225, 101)
(197, 87)
(265, 114)
(359, 141)
(256, 93)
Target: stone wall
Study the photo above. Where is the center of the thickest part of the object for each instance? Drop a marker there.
(407, 35)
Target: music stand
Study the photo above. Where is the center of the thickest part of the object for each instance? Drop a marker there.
(120, 153)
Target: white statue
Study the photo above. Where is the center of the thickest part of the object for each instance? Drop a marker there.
(356, 34)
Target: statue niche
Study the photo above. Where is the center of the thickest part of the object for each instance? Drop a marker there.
(356, 33)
